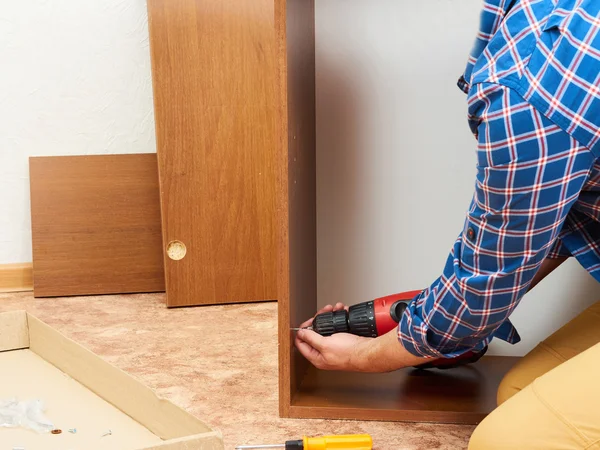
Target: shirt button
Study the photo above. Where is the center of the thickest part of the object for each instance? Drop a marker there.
(471, 234)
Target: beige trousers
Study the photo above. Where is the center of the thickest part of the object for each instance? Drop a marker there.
(551, 398)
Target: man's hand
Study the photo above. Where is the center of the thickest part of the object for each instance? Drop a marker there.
(337, 352)
(350, 353)
(331, 353)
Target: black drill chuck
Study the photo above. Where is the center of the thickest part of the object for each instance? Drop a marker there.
(361, 320)
(358, 320)
(330, 323)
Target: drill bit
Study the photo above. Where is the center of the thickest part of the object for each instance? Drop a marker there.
(305, 328)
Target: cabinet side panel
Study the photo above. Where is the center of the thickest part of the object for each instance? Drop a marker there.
(297, 284)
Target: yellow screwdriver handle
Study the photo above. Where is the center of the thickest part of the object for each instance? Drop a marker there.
(342, 442)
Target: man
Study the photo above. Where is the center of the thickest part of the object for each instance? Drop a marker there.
(533, 93)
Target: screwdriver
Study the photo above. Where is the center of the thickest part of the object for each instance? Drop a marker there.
(343, 442)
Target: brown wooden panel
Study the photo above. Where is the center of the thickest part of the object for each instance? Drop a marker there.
(95, 225)
(462, 395)
(296, 178)
(213, 67)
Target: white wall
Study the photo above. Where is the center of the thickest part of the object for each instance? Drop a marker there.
(396, 160)
(75, 79)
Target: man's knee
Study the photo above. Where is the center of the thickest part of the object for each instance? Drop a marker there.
(523, 422)
(482, 438)
(537, 362)
(511, 384)
(576, 336)
(496, 431)
(545, 414)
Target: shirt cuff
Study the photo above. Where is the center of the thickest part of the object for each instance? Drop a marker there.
(414, 335)
(463, 85)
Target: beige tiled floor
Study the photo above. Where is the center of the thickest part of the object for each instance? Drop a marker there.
(218, 362)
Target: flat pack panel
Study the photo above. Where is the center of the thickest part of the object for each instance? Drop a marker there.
(47, 366)
(464, 395)
(205, 441)
(27, 376)
(296, 178)
(213, 65)
(14, 333)
(96, 225)
(159, 415)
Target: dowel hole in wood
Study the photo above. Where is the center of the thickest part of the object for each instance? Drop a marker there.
(176, 250)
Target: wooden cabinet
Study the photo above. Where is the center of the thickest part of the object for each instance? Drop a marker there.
(463, 395)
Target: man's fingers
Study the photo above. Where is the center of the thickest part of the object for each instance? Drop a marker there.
(309, 322)
(329, 308)
(325, 309)
(338, 306)
(307, 351)
(313, 339)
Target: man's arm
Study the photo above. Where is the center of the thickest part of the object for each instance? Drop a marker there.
(529, 176)
(354, 353)
(382, 354)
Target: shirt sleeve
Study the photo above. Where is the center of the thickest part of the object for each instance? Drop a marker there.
(529, 174)
(559, 250)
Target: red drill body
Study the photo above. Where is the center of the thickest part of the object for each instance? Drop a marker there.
(378, 317)
(370, 319)
(388, 311)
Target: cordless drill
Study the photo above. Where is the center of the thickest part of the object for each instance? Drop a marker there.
(378, 317)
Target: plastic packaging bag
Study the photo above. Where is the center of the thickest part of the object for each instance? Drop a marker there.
(27, 414)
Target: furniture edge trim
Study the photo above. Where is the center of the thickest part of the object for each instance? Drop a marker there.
(408, 416)
(282, 213)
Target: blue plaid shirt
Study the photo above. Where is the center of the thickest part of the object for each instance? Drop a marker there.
(533, 94)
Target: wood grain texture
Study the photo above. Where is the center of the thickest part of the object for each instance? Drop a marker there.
(96, 225)
(16, 277)
(213, 67)
(462, 396)
(296, 183)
